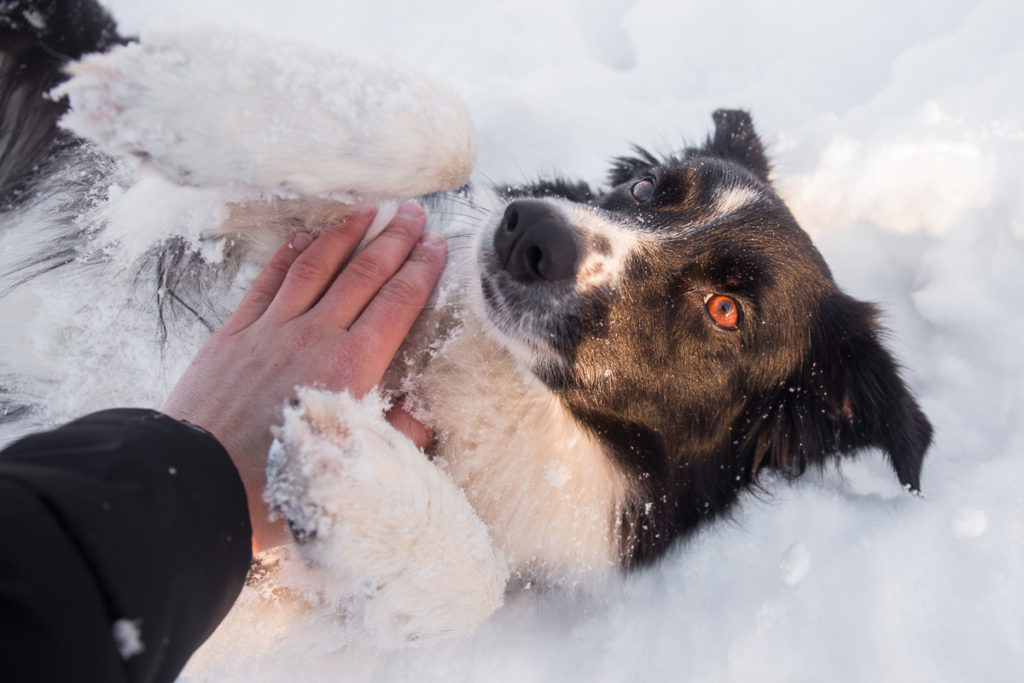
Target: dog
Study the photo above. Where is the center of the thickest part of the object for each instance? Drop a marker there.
(605, 370)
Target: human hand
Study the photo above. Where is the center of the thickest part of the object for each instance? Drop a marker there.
(316, 315)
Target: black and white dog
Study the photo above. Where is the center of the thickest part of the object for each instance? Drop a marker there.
(605, 371)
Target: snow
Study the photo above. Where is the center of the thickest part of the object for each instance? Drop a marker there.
(897, 134)
(968, 522)
(795, 564)
(128, 636)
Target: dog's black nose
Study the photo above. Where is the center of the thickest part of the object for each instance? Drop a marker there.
(535, 243)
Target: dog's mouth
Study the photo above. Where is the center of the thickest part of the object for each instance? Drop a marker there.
(535, 327)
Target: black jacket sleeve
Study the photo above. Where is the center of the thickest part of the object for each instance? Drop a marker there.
(124, 540)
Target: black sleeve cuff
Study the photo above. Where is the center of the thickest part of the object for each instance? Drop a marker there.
(135, 519)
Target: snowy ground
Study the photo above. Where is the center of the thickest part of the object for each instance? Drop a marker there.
(897, 132)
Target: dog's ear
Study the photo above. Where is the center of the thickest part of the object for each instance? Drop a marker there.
(848, 396)
(735, 139)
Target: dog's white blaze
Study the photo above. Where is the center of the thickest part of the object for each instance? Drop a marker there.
(733, 199)
(600, 266)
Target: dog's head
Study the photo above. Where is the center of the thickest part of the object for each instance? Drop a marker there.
(687, 320)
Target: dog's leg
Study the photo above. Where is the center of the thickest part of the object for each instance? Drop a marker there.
(388, 530)
(220, 109)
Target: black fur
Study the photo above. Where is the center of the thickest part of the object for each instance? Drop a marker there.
(574, 190)
(734, 139)
(36, 39)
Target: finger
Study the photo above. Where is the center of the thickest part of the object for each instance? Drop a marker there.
(311, 274)
(417, 432)
(266, 285)
(386, 320)
(374, 266)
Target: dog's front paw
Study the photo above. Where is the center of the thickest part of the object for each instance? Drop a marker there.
(392, 538)
(217, 108)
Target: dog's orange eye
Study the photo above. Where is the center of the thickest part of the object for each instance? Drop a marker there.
(643, 190)
(724, 311)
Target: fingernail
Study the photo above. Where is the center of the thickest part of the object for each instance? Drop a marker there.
(365, 213)
(410, 210)
(432, 240)
(301, 241)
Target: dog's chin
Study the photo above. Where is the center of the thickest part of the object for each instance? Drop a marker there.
(523, 334)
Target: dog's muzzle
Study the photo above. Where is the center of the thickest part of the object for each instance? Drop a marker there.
(534, 243)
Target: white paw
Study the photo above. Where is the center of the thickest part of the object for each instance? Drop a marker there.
(216, 108)
(397, 541)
